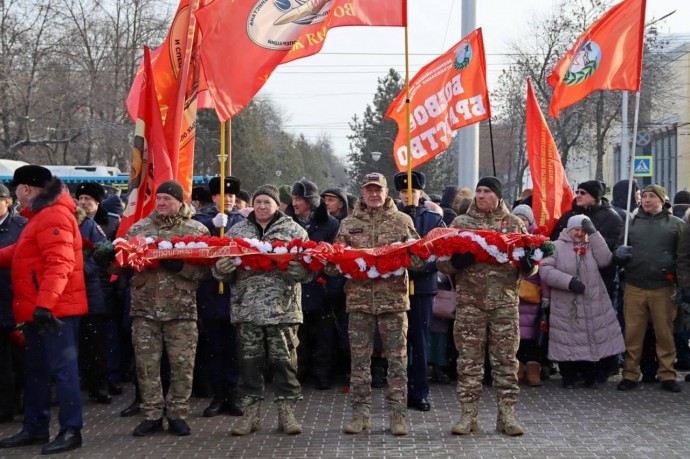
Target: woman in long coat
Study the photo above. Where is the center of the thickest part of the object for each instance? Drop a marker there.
(583, 325)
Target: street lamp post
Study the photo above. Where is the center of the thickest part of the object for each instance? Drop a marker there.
(376, 155)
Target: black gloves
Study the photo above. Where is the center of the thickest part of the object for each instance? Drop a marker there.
(576, 286)
(527, 264)
(461, 260)
(685, 295)
(623, 253)
(588, 226)
(174, 266)
(45, 321)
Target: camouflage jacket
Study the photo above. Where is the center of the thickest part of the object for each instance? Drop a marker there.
(366, 229)
(266, 298)
(160, 294)
(486, 285)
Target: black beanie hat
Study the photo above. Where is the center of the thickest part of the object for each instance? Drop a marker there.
(269, 190)
(682, 197)
(593, 187)
(201, 193)
(308, 191)
(492, 183)
(244, 196)
(95, 190)
(232, 185)
(418, 181)
(172, 188)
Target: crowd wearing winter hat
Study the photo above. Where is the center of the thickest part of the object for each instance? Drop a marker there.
(583, 279)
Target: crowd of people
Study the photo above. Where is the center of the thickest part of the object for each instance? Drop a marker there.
(606, 299)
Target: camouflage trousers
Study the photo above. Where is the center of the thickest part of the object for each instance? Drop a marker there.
(471, 330)
(392, 327)
(278, 345)
(180, 339)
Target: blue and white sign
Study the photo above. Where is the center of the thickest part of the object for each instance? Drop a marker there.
(642, 166)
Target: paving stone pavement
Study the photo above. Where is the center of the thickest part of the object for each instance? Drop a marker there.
(581, 423)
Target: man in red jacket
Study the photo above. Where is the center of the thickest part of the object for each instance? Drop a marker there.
(49, 296)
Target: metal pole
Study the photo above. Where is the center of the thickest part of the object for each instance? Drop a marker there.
(623, 171)
(468, 145)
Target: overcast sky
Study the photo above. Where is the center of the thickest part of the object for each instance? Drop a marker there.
(321, 93)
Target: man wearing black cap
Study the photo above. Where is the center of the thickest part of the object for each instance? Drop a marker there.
(90, 195)
(201, 199)
(11, 384)
(218, 336)
(49, 295)
(422, 291)
(317, 332)
(487, 302)
(164, 314)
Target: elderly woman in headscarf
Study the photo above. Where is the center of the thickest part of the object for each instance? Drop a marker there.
(583, 325)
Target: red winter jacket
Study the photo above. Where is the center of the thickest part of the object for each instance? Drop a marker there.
(46, 262)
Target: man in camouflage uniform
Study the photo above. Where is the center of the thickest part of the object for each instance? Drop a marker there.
(487, 307)
(164, 313)
(381, 303)
(266, 311)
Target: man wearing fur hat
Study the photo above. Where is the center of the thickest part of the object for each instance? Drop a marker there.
(90, 198)
(317, 332)
(266, 309)
(49, 295)
(424, 287)
(164, 314)
(90, 195)
(217, 331)
(377, 303)
(487, 302)
(650, 271)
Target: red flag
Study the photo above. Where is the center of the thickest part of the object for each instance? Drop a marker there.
(446, 94)
(150, 161)
(244, 41)
(551, 193)
(607, 56)
(179, 80)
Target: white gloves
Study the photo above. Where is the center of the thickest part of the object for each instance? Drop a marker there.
(220, 220)
(225, 265)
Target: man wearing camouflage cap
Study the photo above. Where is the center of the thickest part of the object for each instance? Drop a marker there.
(379, 302)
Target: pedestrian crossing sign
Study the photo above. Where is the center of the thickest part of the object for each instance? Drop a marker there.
(642, 166)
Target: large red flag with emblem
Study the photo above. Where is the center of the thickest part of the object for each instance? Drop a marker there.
(551, 193)
(448, 93)
(607, 56)
(244, 41)
(150, 164)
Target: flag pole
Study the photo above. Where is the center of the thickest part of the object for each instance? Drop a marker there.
(407, 108)
(491, 137)
(407, 121)
(631, 159)
(221, 203)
